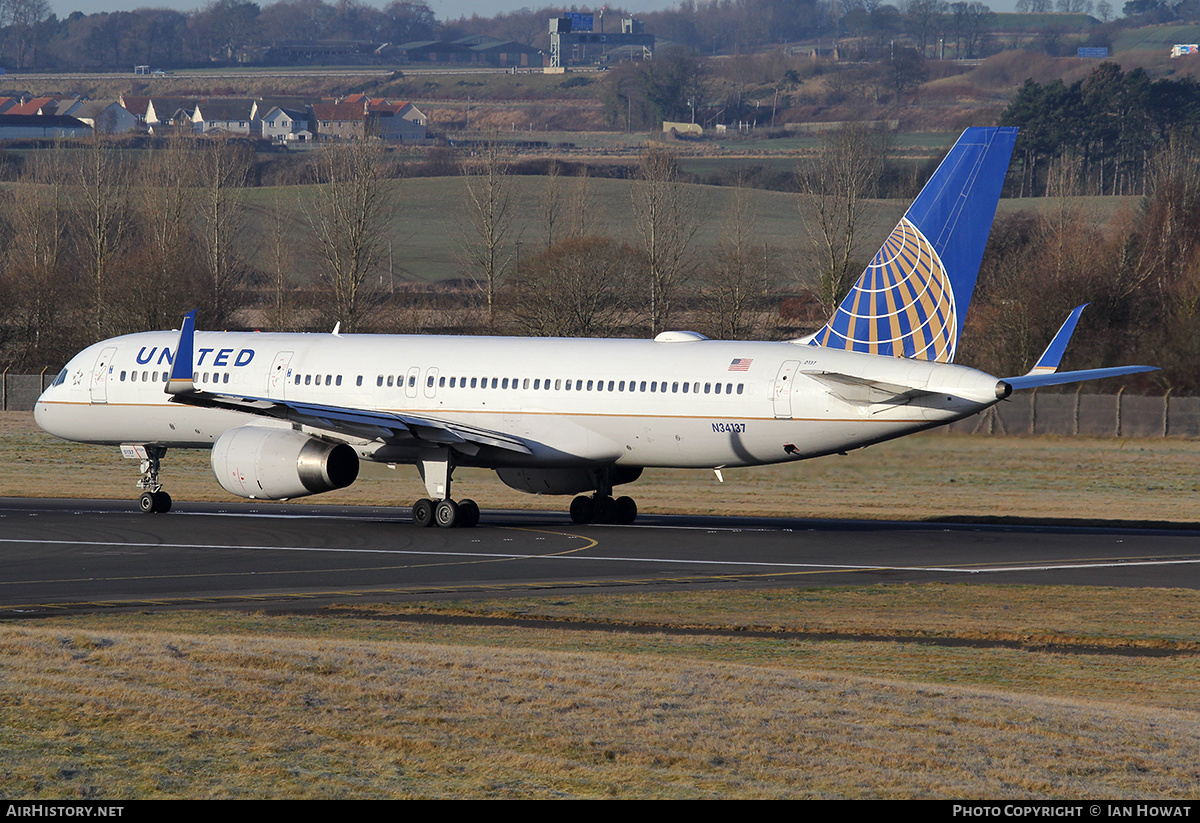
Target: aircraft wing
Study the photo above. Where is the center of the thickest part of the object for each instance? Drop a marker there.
(364, 423)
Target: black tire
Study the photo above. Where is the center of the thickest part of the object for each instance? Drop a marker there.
(582, 510)
(422, 512)
(446, 514)
(602, 509)
(147, 504)
(468, 514)
(624, 511)
(163, 504)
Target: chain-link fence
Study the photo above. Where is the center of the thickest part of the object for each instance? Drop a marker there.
(1095, 415)
(18, 392)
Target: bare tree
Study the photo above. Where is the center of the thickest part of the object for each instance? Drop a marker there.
(21, 19)
(732, 289)
(668, 219)
(103, 217)
(836, 187)
(34, 275)
(487, 232)
(167, 200)
(551, 205)
(583, 209)
(224, 171)
(581, 287)
(352, 208)
(283, 313)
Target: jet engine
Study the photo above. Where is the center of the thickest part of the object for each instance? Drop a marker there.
(565, 481)
(259, 462)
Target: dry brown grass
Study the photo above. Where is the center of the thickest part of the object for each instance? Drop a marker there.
(218, 705)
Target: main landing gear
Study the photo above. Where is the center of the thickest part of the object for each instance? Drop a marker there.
(600, 507)
(153, 500)
(436, 469)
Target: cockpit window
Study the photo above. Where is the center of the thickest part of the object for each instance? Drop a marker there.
(62, 377)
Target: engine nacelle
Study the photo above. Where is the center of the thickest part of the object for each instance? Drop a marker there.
(263, 463)
(564, 481)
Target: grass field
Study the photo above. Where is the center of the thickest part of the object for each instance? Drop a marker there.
(426, 234)
(1155, 38)
(338, 705)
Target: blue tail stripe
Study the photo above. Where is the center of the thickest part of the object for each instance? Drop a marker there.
(913, 297)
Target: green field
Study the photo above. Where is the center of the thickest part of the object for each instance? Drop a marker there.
(426, 233)
(1155, 38)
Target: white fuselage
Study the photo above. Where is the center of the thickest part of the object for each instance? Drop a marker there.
(691, 404)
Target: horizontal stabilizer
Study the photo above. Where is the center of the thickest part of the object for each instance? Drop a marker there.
(1033, 381)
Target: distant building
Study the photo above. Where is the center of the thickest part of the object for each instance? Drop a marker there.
(233, 115)
(339, 120)
(399, 122)
(479, 50)
(282, 125)
(166, 112)
(41, 126)
(104, 116)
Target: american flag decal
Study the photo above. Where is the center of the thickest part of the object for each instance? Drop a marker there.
(741, 364)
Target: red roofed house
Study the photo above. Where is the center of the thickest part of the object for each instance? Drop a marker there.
(339, 121)
(398, 121)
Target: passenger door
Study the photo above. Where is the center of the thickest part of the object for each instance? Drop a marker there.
(100, 374)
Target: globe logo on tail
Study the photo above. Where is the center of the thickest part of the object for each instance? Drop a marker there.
(902, 305)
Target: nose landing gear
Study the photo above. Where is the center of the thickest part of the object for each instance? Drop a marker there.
(153, 500)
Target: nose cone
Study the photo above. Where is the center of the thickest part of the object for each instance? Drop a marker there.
(48, 414)
(41, 412)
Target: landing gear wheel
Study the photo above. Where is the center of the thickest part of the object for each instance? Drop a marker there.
(154, 502)
(624, 511)
(468, 514)
(422, 512)
(582, 510)
(446, 514)
(602, 508)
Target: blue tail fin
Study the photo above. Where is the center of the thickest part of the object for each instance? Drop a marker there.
(912, 299)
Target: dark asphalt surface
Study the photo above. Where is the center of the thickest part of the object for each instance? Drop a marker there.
(62, 556)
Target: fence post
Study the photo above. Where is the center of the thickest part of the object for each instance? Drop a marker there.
(1166, 426)
(1075, 422)
(1033, 412)
(1120, 392)
(4, 391)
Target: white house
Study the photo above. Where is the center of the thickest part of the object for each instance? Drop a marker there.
(286, 126)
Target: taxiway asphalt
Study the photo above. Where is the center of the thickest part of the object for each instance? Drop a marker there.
(88, 555)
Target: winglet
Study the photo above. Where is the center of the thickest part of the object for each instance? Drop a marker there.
(181, 369)
(1052, 356)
